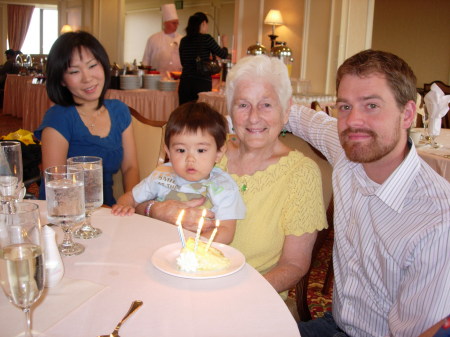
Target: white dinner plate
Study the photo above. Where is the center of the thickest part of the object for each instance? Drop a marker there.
(165, 258)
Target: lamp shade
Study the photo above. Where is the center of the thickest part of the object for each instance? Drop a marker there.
(274, 18)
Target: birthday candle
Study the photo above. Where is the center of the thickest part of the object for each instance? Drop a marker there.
(199, 229)
(211, 238)
(180, 228)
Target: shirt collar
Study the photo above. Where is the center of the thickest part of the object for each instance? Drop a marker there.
(395, 189)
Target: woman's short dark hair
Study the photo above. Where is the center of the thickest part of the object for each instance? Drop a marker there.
(194, 23)
(193, 116)
(59, 60)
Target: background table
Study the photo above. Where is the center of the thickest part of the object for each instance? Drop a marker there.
(438, 159)
(155, 105)
(29, 101)
(14, 101)
(116, 268)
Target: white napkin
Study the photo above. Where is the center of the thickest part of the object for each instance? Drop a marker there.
(54, 304)
(437, 107)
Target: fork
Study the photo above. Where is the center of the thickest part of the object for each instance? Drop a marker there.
(134, 306)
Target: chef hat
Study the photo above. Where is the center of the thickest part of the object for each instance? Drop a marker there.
(169, 12)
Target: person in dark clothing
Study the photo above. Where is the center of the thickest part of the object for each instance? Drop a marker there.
(197, 43)
(9, 67)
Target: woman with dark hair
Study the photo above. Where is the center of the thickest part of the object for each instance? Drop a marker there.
(83, 123)
(197, 43)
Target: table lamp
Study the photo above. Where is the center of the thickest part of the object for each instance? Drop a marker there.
(273, 18)
(66, 29)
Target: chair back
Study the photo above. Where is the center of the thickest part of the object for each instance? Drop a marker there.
(149, 139)
(326, 171)
(299, 144)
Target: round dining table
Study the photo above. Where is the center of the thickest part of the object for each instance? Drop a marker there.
(437, 157)
(116, 268)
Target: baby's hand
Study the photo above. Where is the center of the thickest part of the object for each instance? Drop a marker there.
(122, 210)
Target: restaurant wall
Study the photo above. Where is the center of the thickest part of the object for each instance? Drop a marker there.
(419, 32)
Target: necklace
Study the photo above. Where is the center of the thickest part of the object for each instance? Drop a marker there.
(90, 119)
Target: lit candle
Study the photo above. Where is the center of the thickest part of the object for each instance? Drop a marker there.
(180, 228)
(199, 229)
(211, 238)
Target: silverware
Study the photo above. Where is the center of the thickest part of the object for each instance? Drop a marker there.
(134, 306)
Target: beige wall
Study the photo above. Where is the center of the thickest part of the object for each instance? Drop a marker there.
(419, 32)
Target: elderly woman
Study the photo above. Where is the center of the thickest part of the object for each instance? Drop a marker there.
(280, 187)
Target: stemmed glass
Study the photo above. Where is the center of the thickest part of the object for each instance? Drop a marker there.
(426, 120)
(10, 173)
(21, 259)
(64, 188)
(93, 192)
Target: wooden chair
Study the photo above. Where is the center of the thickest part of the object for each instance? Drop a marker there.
(446, 89)
(326, 171)
(316, 106)
(149, 139)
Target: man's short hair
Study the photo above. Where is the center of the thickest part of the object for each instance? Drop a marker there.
(398, 74)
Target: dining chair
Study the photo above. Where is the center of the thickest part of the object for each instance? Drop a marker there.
(316, 106)
(326, 171)
(446, 89)
(149, 139)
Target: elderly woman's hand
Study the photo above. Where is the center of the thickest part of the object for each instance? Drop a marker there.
(169, 210)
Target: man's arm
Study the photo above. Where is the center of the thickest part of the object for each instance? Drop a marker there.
(424, 295)
(317, 128)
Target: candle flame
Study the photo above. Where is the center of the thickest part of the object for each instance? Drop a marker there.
(180, 217)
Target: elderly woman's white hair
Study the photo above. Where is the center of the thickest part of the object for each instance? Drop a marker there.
(257, 68)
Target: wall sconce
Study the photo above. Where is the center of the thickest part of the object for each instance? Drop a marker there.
(273, 18)
(66, 29)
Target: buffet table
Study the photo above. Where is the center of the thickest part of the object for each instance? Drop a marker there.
(155, 105)
(29, 101)
(14, 102)
(116, 268)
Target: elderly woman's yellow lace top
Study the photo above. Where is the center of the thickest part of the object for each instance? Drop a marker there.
(285, 199)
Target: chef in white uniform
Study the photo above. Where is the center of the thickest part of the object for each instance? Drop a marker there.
(161, 51)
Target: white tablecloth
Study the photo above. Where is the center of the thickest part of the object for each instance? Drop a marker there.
(116, 269)
(438, 158)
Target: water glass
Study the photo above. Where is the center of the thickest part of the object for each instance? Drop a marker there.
(21, 259)
(93, 192)
(64, 188)
(10, 173)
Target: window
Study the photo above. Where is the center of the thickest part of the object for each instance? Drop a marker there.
(42, 32)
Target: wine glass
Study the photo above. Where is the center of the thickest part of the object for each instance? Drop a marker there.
(64, 188)
(21, 259)
(93, 192)
(10, 173)
(426, 120)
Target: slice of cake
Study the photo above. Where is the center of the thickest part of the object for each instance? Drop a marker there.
(210, 260)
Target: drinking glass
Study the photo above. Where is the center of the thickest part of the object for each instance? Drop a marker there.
(10, 173)
(21, 260)
(64, 188)
(93, 192)
(425, 120)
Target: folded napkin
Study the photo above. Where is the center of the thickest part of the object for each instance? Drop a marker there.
(54, 304)
(437, 106)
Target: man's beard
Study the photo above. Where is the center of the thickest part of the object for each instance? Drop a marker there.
(372, 150)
